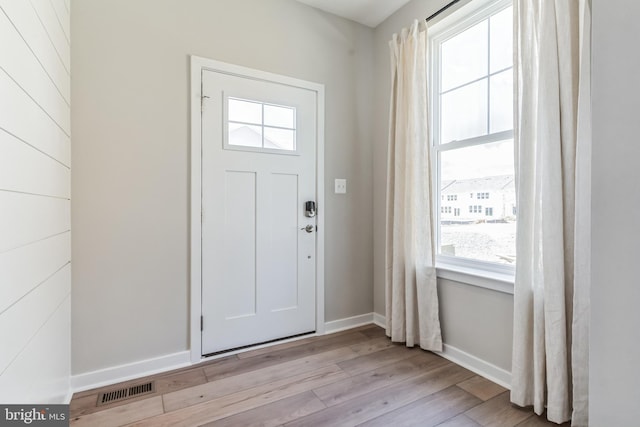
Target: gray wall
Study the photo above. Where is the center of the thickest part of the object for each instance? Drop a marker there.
(476, 320)
(615, 293)
(131, 147)
(35, 220)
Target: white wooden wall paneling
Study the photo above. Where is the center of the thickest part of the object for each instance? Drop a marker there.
(21, 117)
(25, 268)
(20, 323)
(35, 215)
(27, 170)
(26, 22)
(51, 24)
(25, 218)
(63, 17)
(40, 363)
(19, 62)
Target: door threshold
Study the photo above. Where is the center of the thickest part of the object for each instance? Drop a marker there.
(250, 346)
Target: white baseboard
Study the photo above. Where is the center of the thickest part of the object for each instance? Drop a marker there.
(68, 397)
(348, 323)
(481, 367)
(116, 374)
(380, 320)
(466, 360)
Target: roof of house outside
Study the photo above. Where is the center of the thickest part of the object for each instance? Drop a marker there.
(490, 183)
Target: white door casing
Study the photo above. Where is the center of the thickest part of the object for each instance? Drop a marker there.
(260, 272)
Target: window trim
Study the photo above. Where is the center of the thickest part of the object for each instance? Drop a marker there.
(476, 277)
(486, 274)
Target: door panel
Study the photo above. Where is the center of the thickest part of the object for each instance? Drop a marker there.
(284, 238)
(258, 170)
(239, 244)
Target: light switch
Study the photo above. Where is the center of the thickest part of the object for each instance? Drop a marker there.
(340, 186)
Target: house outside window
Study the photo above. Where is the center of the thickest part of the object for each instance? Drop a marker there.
(471, 71)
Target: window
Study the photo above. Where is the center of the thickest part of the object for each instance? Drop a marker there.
(259, 126)
(471, 55)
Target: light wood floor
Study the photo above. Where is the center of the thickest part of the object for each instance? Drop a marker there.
(355, 377)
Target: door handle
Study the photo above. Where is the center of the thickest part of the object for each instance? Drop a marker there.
(309, 228)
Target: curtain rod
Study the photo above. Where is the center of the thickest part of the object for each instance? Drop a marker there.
(442, 10)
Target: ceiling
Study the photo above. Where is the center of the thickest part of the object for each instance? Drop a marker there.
(367, 12)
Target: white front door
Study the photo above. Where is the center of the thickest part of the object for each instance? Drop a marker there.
(258, 242)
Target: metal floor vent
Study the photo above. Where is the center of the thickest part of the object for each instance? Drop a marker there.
(126, 393)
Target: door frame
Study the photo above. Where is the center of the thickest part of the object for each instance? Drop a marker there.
(198, 65)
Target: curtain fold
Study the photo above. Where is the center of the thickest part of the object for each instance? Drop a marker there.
(551, 300)
(410, 282)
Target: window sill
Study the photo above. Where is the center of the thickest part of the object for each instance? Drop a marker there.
(499, 282)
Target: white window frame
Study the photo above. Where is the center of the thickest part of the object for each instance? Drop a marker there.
(486, 274)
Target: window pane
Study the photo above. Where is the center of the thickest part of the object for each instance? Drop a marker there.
(485, 229)
(245, 135)
(502, 40)
(283, 117)
(464, 112)
(464, 57)
(501, 101)
(279, 139)
(244, 111)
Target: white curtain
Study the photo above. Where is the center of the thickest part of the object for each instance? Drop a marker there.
(551, 301)
(411, 293)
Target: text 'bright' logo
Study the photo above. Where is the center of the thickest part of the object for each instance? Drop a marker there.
(31, 415)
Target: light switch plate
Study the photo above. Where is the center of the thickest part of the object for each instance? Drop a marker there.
(340, 186)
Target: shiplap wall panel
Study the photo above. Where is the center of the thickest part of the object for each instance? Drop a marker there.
(35, 205)
(27, 218)
(22, 117)
(24, 18)
(27, 170)
(63, 16)
(39, 363)
(25, 268)
(18, 61)
(51, 24)
(20, 322)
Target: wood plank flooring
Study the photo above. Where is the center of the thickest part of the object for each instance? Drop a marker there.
(351, 378)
